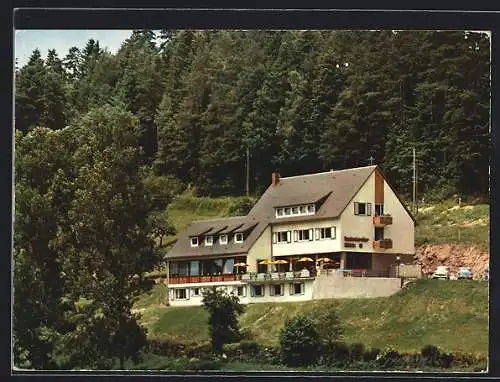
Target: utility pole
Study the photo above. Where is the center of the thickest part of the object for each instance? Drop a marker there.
(248, 172)
(414, 182)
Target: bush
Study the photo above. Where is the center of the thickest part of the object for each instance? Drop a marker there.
(299, 341)
(389, 359)
(249, 347)
(371, 355)
(335, 353)
(327, 322)
(356, 351)
(430, 355)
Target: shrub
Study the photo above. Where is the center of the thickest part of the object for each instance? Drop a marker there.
(327, 322)
(390, 358)
(430, 355)
(356, 351)
(335, 353)
(299, 341)
(371, 355)
(205, 364)
(249, 347)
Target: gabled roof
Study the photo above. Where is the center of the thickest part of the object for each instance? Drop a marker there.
(332, 191)
(249, 226)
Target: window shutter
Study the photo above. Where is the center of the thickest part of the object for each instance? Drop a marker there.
(318, 233)
(295, 235)
(188, 293)
(275, 237)
(369, 209)
(289, 236)
(271, 290)
(302, 288)
(356, 208)
(334, 233)
(311, 234)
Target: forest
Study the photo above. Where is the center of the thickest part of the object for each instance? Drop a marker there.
(104, 141)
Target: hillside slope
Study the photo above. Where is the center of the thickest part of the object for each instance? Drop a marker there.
(450, 314)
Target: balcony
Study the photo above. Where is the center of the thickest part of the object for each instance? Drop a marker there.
(382, 244)
(202, 279)
(382, 220)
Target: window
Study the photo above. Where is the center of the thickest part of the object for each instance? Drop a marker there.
(325, 233)
(303, 210)
(194, 268)
(174, 269)
(217, 266)
(228, 267)
(295, 210)
(277, 289)
(311, 209)
(238, 238)
(279, 212)
(196, 291)
(362, 209)
(379, 233)
(183, 268)
(288, 211)
(241, 291)
(261, 268)
(359, 261)
(303, 235)
(223, 239)
(181, 294)
(379, 209)
(194, 242)
(258, 290)
(296, 288)
(282, 237)
(209, 240)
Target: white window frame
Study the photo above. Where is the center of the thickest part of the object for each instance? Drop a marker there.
(279, 212)
(320, 233)
(297, 235)
(194, 292)
(272, 291)
(311, 209)
(302, 289)
(278, 238)
(197, 241)
(303, 210)
(289, 209)
(186, 292)
(263, 290)
(222, 242)
(368, 209)
(244, 291)
(295, 210)
(209, 241)
(236, 235)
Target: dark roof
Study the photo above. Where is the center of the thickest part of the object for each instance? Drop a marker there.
(336, 187)
(250, 227)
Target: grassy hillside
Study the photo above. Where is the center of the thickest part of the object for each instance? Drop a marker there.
(447, 223)
(450, 314)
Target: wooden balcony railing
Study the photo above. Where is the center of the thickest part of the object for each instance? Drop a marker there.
(382, 244)
(202, 279)
(382, 220)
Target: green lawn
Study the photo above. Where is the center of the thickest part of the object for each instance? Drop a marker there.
(450, 314)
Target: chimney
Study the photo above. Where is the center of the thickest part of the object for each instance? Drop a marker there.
(275, 178)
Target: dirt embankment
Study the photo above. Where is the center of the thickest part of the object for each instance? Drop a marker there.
(453, 256)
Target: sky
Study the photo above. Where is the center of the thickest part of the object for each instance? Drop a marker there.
(61, 40)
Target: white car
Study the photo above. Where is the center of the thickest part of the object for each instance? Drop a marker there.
(441, 272)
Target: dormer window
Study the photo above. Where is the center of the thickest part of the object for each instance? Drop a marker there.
(209, 240)
(194, 242)
(311, 209)
(288, 211)
(300, 210)
(303, 210)
(238, 237)
(223, 239)
(279, 212)
(295, 210)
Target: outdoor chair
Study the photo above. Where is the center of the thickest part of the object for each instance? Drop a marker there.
(305, 273)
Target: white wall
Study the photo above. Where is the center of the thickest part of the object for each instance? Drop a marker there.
(229, 286)
(260, 250)
(307, 247)
(359, 225)
(333, 286)
(402, 229)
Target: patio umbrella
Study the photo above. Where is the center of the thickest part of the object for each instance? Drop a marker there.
(325, 259)
(280, 261)
(266, 262)
(238, 265)
(305, 259)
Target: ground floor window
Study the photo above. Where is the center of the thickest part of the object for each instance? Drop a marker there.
(241, 291)
(196, 291)
(258, 290)
(297, 288)
(277, 289)
(180, 294)
(359, 261)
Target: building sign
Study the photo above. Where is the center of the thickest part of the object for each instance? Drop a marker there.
(350, 238)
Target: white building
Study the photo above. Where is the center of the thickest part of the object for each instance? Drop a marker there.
(326, 235)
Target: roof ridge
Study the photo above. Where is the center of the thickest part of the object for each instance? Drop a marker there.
(328, 172)
(221, 218)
